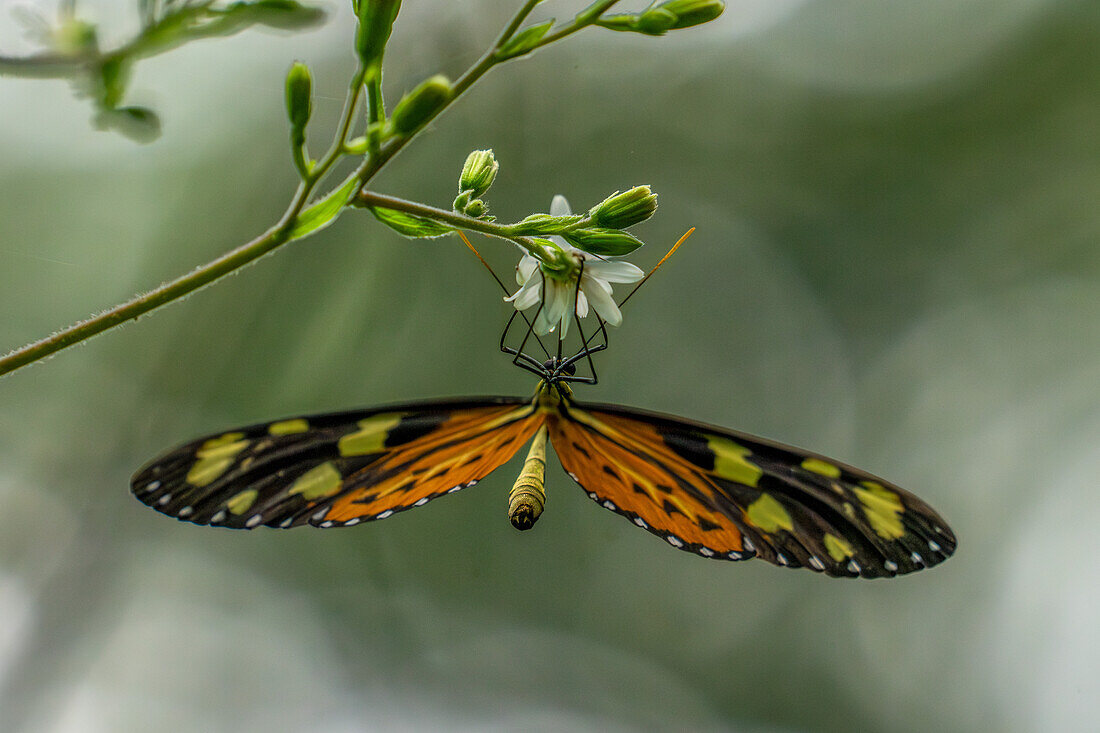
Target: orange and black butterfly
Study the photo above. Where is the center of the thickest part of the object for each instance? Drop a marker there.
(705, 489)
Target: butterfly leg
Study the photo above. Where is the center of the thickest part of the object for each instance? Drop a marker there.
(520, 359)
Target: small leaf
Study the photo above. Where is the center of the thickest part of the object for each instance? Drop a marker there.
(524, 41)
(606, 242)
(407, 225)
(139, 124)
(323, 212)
(286, 14)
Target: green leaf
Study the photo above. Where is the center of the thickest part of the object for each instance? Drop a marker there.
(524, 41)
(139, 124)
(606, 242)
(321, 214)
(407, 225)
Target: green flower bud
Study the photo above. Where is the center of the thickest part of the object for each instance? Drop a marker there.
(478, 173)
(461, 201)
(419, 105)
(375, 25)
(693, 12)
(622, 210)
(299, 97)
(619, 22)
(475, 208)
(668, 16)
(655, 21)
(607, 242)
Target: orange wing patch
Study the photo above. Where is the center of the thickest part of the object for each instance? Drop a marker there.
(337, 469)
(461, 451)
(629, 470)
(689, 483)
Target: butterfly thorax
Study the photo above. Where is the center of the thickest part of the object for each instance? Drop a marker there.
(550, 395)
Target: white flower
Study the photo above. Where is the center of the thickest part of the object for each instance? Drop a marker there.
(559, 306)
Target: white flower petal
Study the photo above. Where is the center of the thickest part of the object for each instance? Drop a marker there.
(603, 304)
(525, 269)
(527, 296)
(558, 297)
(567, 314)
(560, 206)
(595, 282)
(615, 272)
(550, 315)
(582, 304)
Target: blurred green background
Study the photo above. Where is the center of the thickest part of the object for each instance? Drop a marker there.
(896, 264)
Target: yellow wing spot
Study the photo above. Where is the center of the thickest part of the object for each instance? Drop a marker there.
(242, 502)
(730, 461)
(318, 482)
(370, 437)
(883, 509)
(768, 514)
(215, 456)
(288, 427)
(837, 547)
(816, 465)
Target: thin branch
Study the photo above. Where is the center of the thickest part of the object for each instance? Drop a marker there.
(453, 218)
(282, 232)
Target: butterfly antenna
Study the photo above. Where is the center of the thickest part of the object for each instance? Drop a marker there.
(490, 269)
(641, 282)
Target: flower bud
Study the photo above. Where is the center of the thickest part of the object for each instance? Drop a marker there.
(478, 173)
(606, 242)
(671, 15)
(655, 21)
(375, 25)
(475, 208)
(299, 93)
(419, 105)
(622, 210)
(693, 12)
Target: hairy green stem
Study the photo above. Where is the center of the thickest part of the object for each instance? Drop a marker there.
(452, 218)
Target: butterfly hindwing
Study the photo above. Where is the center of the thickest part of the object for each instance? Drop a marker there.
(337, 469)
(724, 494)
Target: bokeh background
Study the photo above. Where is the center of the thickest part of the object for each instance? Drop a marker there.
(896, 264)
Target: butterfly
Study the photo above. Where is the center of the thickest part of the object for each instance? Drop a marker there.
(704, 489)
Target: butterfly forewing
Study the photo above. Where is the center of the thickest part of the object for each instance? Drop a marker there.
(727, 495)
(337, 469)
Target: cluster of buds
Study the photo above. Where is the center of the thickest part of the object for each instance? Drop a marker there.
(660, 18)
(478, 173)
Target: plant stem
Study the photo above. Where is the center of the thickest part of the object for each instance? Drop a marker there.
(459, 221)
(281, 233)
(201, 276)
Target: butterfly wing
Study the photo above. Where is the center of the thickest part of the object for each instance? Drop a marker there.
(724, 494)
(337, 469)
